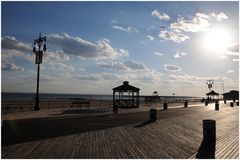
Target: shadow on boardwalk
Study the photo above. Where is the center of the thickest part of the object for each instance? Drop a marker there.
(25, 130)
(80, 111)
(206, 150)
(146, 122)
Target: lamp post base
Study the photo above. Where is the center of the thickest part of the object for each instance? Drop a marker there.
(36, 108)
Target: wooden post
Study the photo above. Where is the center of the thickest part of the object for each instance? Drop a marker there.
(185, 103)
(231, 104)
(206, 103)
(165, 106)
(209, 130)
(216, 106)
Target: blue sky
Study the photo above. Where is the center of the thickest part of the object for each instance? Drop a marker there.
(170, 47)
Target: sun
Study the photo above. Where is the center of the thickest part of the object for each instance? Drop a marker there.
(216, 40)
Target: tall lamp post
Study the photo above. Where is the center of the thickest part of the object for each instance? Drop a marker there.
(38, 51)
(210, 84)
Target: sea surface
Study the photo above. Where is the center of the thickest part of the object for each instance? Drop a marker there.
(49, 96)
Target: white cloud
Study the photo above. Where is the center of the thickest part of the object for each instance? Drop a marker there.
(47, 78)
(161, 16)
(12, 48)
(113, 65)
(10, 43)
(176, 37)
(106, 40)
(179, 54)
(114, 22)
(11, 67)
(199, 23)
(172, 68)
(233, 49)
(56, 56)
(127, 29)
(134, 65)
(82, 48)
(235, 60)
(158, 53)
(124, 52)
(230, 71)
(151, 38)
(88, 77)
(57, 61)
(219, 17)
(183, 53)
(126, 65)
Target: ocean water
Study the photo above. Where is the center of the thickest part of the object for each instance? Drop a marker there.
(47, 96)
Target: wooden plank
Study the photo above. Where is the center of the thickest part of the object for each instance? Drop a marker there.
(176, 134)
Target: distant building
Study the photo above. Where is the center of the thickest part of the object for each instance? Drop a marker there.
(232, 95)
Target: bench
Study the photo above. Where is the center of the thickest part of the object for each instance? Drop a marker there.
(80, 104)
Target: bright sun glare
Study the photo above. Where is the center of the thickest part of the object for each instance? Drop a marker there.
(216, 40)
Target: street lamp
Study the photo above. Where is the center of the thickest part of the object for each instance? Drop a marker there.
(210, 84)
(41, 46)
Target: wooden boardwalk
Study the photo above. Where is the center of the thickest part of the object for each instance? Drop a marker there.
(176, 134)
(227, 146)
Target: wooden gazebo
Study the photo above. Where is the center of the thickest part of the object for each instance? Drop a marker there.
(212, 95)
(125, 96)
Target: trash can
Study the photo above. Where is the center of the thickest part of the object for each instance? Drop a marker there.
(153, 115)
(206, 103)
(185, 103)
(209, 130)
(217, 106)
(231, 104)
(165, 106)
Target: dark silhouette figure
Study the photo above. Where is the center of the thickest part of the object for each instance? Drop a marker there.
(208, 145)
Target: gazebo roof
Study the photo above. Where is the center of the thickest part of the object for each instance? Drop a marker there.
(126, 87)
(212, 93)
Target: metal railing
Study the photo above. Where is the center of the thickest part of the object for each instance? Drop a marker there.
(21, 106)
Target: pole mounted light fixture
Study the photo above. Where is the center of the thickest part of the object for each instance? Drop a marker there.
(38, 49)
(210, 83)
